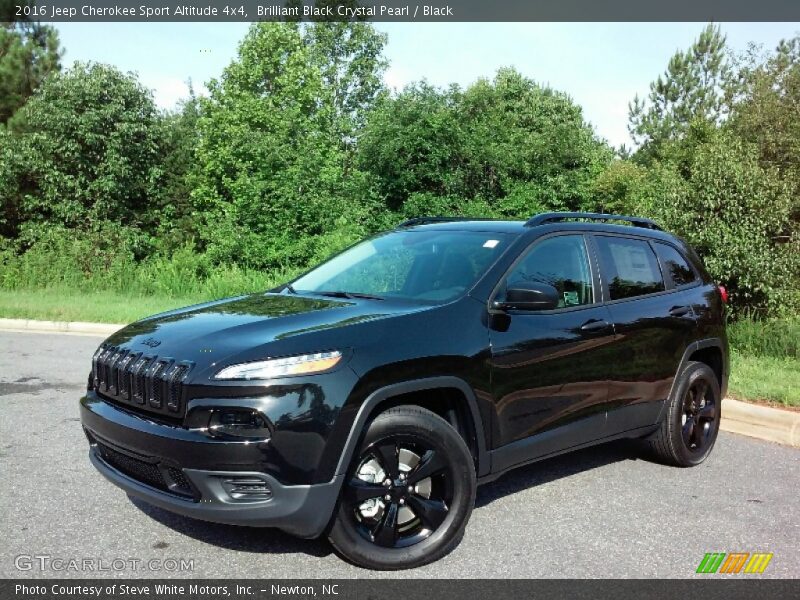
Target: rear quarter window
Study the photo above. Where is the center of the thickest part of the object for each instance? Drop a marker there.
(630, 266)
(676, 268)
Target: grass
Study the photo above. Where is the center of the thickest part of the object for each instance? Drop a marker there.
(765, 361)
(765, 378)
(52, 304)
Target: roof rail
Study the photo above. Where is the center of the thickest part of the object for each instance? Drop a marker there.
(553, 217)
(425, 220)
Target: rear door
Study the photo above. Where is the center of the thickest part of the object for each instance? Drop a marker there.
(549, 368)
(653, 322)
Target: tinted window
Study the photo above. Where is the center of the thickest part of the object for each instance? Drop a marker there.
(630, 266)
(675, 266)
(562, 262)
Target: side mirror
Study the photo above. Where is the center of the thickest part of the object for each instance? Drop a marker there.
(528, 295)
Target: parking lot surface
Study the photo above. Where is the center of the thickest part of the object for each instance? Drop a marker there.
(601, 512)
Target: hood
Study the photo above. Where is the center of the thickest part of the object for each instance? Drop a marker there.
(208, 334)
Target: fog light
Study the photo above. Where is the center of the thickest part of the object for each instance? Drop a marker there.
(240, 424)
(247, 488)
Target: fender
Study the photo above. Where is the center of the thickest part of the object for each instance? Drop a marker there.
(385, 394)
(691, 349)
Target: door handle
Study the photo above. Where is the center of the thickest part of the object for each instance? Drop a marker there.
(680, 311)
(595, 326)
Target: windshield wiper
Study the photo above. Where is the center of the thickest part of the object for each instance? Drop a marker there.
(348, 295)
(289, 288)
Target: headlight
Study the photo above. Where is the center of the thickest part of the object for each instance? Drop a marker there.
(305, 364)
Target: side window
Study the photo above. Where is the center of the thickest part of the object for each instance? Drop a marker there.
(630, 266)
(562, 262)
(676, 267)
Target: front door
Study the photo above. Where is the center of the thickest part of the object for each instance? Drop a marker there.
(550, 368)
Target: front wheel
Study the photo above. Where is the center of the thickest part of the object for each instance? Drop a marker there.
(409, 493)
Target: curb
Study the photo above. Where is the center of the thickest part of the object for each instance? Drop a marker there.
(73, 327)
(762, 422)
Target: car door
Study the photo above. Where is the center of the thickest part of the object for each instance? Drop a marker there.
(549, 368)
(653, 321)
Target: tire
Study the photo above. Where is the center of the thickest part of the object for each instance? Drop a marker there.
(437, 490)
(690, 426)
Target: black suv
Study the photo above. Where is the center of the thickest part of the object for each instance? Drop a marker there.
(366, 399)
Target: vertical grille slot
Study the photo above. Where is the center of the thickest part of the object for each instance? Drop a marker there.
(124, 377)
(96, 366)
(138, 380)
(106, 376)
(176, 386)
(114, 365)
(102, 371)
(156, 395)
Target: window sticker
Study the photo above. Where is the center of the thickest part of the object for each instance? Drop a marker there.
(571, 299)
(491, 243)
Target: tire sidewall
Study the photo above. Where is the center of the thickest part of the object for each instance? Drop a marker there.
(436, 432)
(691, 374)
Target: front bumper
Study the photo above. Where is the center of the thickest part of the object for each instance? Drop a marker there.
(134, 453)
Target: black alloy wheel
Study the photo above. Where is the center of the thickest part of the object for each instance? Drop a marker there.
(409, 493)
(401, 492)
(699, 412)
(689, 428)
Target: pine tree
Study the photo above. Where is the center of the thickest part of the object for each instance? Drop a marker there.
(690, 89)
(29, 52)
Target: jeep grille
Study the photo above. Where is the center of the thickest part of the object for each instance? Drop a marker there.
(143, 382)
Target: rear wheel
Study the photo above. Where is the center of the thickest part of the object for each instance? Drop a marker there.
(690, 427)
(409, 493)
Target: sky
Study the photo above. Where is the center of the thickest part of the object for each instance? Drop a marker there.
(602, 66)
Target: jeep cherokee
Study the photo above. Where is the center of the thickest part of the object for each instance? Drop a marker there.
(366, 399)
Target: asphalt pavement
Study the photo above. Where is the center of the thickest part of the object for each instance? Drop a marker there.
(601, 512)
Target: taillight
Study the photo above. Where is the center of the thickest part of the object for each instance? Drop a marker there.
(723, 294)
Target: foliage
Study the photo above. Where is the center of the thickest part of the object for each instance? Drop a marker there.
(29, 52)
(64, 262)
(510, 142)
(765, 378)
(779, 338)
(720, 157)
(690, 89)
(734, 212)
(173, 209)
(88, 150)
(276, 176)
(299, 151)
(616, 189)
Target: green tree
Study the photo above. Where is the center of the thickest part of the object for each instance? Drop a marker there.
(516, 145)
(764, 96)
(735, 212)
(29, 52)
(275, 180)
(414, 143)
(173, 206)
(692, 88)
(90, 141)
(528, 146)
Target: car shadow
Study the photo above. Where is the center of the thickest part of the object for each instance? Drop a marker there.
(558, 467)
(233, 537)
(275, 541)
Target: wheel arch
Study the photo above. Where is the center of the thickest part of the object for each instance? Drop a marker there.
(442, 394)
(710, 351)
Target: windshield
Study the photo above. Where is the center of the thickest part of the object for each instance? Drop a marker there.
(430, 266)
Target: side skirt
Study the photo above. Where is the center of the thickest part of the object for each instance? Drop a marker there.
(500, 457)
